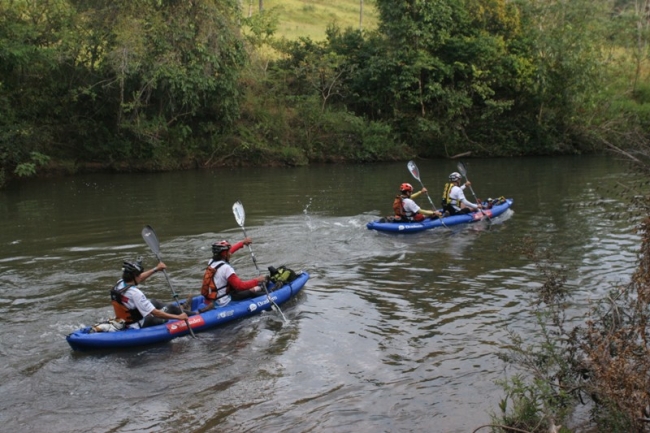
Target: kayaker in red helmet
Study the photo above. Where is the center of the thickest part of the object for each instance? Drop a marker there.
(406, 209)
(221, 283)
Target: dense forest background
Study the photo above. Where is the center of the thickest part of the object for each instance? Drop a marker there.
(170, 84)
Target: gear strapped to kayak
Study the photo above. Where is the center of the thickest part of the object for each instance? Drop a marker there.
(281, 276)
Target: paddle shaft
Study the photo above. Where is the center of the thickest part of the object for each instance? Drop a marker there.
(153, 243)
(250, 249)
(471, 189)
(175, 295)
(462, 169)
(427, 193)
(415, 172)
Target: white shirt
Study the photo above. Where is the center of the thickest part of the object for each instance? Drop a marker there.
(134, 298)
(410, 207)
(220, 279)
(457, 196)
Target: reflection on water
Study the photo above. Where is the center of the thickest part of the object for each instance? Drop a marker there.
(393, 332)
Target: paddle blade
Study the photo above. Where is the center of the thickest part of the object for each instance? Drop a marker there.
(461, 168)
(150, 238)
(413, 169)
(240, 214)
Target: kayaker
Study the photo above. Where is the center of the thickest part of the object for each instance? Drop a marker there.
(131, 305)
(453, 197)
(220, 281)
(406, 209)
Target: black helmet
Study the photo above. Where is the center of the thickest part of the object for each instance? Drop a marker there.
(131, 268)
(220, 247)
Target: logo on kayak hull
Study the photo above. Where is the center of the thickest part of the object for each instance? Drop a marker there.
(181, 326)
(409, 226)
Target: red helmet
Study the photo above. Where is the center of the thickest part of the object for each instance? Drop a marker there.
(406, 187)
(219, 247)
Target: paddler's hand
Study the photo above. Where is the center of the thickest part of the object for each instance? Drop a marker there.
(182, 316)
(247, 241)
(423, 190)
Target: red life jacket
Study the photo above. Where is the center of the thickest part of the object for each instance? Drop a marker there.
(121, 312)
(209, 289)
(398, 208)
(400, 213)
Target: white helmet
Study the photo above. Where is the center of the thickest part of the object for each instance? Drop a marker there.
(455, 176)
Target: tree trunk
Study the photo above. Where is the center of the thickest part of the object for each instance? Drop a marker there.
(261, 6)
(360, 14)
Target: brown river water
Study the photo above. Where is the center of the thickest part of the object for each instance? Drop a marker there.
(393, 333)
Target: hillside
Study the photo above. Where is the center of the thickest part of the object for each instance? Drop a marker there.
(311, 17)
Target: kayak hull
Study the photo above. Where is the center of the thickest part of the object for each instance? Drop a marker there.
(85, 339)
(428, 224)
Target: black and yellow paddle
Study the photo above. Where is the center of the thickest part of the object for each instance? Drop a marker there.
(150, 238)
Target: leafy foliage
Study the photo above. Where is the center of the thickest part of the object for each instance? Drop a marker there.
(155, 85)
(603, 360)
(130, 82)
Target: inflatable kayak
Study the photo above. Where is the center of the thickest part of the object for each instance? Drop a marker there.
(88, 339)
(386, 225)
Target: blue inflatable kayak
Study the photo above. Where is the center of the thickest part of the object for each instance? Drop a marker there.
(87, 339)
(383, 225)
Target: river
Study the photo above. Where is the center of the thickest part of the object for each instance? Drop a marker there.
(393, 333)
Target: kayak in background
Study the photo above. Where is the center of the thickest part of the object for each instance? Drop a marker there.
(491, 210)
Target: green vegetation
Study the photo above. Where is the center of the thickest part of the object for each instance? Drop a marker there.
(598, 358)
(162, 85)
(157, 85)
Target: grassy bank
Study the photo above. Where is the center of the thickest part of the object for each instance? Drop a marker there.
(310, 18)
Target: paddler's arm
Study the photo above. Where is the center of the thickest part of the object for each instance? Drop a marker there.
(146, 274)
(236, 283)
(430, 212)
(165, 315)
(240, 245)
(417, 194)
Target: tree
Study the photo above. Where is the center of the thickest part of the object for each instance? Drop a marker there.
(37, 52)
(567, 40)
(631, 29)
(447, 64)
(169, 68)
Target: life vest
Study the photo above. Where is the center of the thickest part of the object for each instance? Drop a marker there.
(121, 312)
(398, 208)
(447, 201)
(209, 289)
